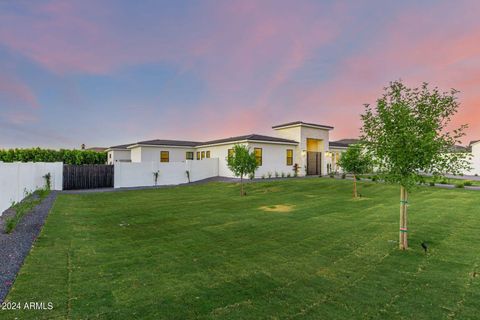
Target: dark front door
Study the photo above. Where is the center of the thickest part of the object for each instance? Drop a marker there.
(314, 163)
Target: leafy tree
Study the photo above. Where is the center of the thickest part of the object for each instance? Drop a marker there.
(355, 161)
(406, 133)
(242, 162)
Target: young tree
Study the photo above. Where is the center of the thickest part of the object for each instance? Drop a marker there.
(242, 162)
(355, 161)
(406, 133)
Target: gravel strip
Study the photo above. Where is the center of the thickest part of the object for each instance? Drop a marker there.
(14, 247)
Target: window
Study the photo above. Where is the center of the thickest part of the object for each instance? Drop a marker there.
(203, 154)
(164, 156)
(189, 155)
(258, 155)
(230, 153)
(110, 155)
(198, 155)
(289, 157)
(207, 154)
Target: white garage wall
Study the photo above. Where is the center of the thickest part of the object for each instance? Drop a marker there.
(140, 174)
(18, 177)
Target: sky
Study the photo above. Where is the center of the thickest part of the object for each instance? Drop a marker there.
(106, 72)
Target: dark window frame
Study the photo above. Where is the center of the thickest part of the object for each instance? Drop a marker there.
(189, 155)
(258, 158)
(290, 158)
(162, 158)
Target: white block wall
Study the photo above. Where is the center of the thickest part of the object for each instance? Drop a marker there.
(17, 177)
(202, 169)
(140, 174)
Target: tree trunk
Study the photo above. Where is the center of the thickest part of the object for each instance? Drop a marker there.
(355, 194)
(403, 243)
(241, 186)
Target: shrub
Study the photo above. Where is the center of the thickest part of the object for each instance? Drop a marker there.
(263, 176)
(374, 178)
(289, 175)
(332, 175)
(344, 175)
(443, 181)
(47, 178)
(432, 184)
(468, 183)
(295, 170)
(269, 175)
(46, 155)
(276, 174)
(283, 174)
(251, 176)
(459, 185)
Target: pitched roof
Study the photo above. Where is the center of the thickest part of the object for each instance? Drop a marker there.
(344, 143)
(180, 143)
(97, 149)
(249, 137)
(473, 142)
(177, 143)
(302, 123)
(121, 146)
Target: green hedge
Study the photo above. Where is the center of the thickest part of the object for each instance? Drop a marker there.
(46, 155)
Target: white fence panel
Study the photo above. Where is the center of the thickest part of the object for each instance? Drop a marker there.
(141, 174)
(17, 178)
(202, 169)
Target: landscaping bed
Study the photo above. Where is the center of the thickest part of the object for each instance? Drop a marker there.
(19, 227)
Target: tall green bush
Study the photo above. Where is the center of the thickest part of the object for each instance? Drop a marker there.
(46, 155)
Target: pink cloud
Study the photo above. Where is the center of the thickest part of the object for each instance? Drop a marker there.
(17, 91)
(20, 118)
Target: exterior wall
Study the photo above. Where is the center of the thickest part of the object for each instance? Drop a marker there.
(152, 154)
(139, 174)
(202, 169)
(220, 152)
(118, 155)
(274, 158)
(475, 159)
(18, 177)
(300, 134)
(332, 157)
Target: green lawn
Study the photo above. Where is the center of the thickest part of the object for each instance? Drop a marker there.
(204, 252)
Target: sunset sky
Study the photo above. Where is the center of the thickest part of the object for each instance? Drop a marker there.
(111, 72)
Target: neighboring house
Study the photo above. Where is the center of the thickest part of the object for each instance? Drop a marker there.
(97, 149)
(304, 144)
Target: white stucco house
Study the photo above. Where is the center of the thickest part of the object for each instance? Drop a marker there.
(307, 145)
(475, 151)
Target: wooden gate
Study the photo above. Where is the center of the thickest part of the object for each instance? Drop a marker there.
(90, 176)
(314, 163)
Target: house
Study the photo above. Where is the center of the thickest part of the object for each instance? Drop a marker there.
(475, 162)
(305, 144)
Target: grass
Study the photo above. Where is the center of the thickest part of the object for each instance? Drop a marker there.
(204, 252)
(23, 207)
